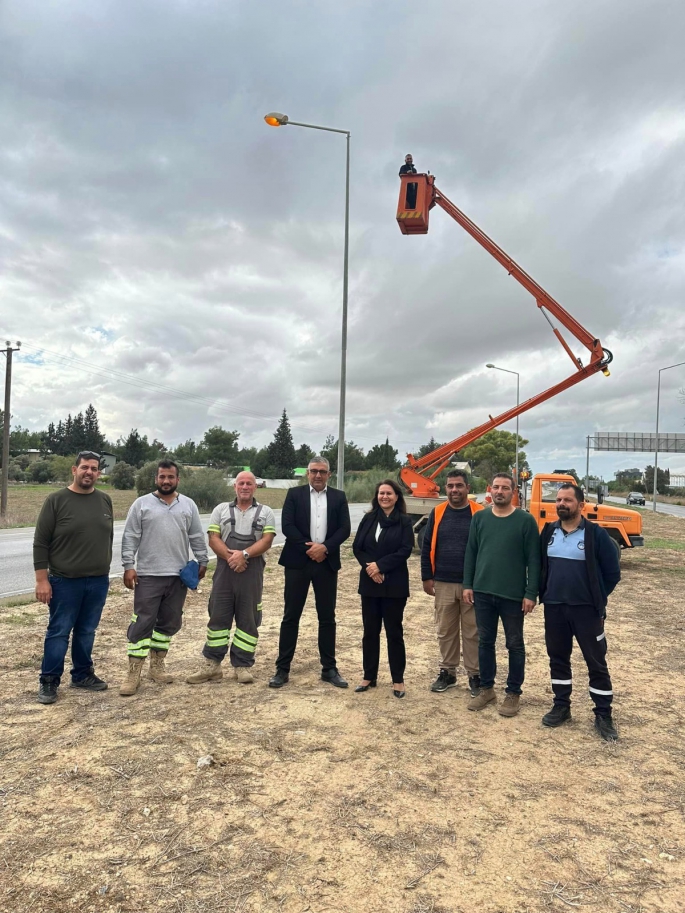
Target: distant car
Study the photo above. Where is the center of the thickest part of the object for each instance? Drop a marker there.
(261, 483)
(635, 497)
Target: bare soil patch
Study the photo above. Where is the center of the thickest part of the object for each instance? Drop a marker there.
(324, 800)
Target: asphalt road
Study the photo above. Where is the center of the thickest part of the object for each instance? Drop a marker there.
(16, 552)
(675, 510)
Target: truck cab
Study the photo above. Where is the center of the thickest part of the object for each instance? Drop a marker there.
(623, 525)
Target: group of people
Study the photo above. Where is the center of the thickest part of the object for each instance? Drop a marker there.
(479, 565)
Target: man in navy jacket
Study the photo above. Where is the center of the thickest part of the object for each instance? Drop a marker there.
(580, 568)
(315, 521)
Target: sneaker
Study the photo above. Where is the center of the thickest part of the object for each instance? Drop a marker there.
(557, 716)
(47, 693)
(444, 681)
(244, 676)
(90, 683)
(474, 684)
(510, 705)
(482, 699)
(605, 727)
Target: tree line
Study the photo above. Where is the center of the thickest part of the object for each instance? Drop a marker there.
(220, 448)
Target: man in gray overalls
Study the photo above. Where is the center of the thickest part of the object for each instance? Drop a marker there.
(240, 532)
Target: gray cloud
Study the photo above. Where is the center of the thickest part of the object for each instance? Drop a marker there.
(153, 225)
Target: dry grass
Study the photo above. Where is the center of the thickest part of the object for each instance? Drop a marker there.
(25, 501)
(324, 800)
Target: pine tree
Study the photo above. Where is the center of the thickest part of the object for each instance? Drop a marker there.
(77, 439)
(66, 439)
(282, 459)
(93, 439)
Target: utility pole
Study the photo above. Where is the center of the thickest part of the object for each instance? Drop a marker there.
(6, 425)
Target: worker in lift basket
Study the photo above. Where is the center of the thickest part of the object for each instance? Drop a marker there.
(408, 168)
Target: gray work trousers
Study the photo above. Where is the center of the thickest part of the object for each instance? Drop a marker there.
(236, 599)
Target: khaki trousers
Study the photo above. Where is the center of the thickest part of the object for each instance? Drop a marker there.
(451, 612)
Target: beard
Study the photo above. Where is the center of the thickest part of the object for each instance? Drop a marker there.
(167, 488)
(564, 513)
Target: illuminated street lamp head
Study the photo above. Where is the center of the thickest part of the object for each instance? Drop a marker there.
(274, 119)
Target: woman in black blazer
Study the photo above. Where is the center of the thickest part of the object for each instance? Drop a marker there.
(383, 543)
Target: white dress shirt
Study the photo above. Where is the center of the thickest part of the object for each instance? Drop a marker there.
(319, 519)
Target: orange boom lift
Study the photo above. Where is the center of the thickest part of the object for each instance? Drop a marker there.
(420, 191)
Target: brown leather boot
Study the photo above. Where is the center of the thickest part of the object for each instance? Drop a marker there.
(510, 705)
(130, 684)
(210, 671)
(482, 699)
(157, 670)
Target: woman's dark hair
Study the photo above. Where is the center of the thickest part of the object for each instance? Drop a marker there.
(400, 505)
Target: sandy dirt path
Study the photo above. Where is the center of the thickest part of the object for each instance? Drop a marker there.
(324, 800)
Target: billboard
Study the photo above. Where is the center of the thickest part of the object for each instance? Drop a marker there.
(637, 442)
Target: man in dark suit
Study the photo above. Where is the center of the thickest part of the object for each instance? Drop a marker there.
(315, 521)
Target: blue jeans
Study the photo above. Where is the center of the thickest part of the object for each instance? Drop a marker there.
(489, 609)
(75, 608)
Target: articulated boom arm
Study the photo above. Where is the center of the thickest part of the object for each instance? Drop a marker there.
(419, 474)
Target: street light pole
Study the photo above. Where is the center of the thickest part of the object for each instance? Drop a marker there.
(656, 439)
(274, 119)
(518, 381)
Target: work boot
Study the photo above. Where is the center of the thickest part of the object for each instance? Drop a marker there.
(47, 693)
(244, 676)
(482, 699)
(474, 684)
(557, 716)
(130, 684)
(605, 727)
(210, 672)
(157, 670)
(510, 705)
(444, 681)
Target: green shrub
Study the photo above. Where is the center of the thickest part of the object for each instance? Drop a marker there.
(61, 467)
(207, 487)
(41, 471)
(122, 476)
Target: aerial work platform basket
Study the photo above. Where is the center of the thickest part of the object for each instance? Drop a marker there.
(416, 199)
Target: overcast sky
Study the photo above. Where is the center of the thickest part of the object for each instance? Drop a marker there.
(188, 259)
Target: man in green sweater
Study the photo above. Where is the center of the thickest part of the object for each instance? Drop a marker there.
(72, 554)
(501, 577)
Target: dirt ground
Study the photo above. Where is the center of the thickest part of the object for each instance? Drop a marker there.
(319, 799)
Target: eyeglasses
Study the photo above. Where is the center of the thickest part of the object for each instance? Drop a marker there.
(88, 455)
(318, 472)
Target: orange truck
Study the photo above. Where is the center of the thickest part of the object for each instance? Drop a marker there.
(623, 525)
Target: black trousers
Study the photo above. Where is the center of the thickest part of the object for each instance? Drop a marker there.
(562, 624)
(297, 581)
(376, 612)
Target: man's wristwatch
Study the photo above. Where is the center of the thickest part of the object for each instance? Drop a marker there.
(246, 555)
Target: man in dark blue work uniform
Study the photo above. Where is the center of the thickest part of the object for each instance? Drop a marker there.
(580, 568)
